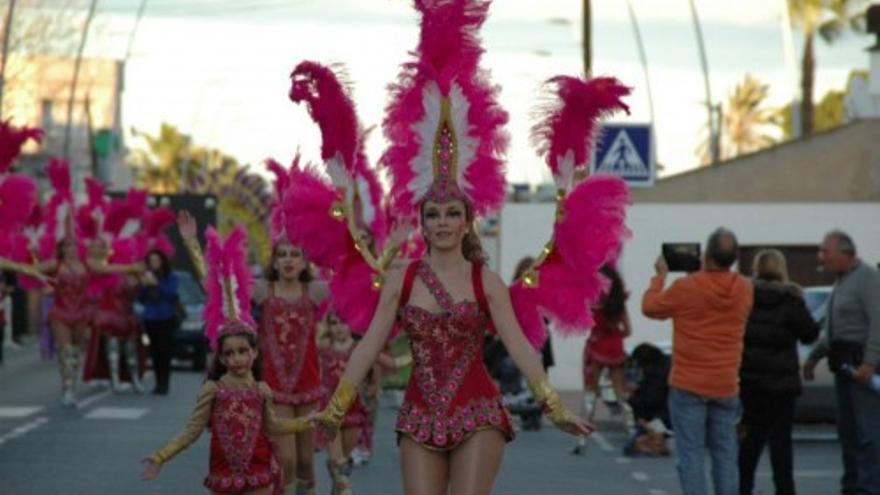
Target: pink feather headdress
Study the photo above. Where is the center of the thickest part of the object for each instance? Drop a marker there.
(565, 282)
(11, 141)
(153, 235)
(444, 123)
(227, 285)
(57, 214)
(277, 228)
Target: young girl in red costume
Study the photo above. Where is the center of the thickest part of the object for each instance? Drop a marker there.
(335, 350)
(233, 402)
(288, 300)
(604, 350)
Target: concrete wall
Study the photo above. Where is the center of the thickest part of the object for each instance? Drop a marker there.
(839, 165)
(526, 227)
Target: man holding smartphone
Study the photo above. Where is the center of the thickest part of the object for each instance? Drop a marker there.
(709, 310)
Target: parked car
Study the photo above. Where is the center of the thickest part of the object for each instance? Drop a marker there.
(190, 342)
(816, 404)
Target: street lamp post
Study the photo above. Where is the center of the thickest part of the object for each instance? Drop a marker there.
(713, 129)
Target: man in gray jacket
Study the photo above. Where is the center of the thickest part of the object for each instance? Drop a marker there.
(852, 342)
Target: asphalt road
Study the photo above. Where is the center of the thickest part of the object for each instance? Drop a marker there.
(96, 448)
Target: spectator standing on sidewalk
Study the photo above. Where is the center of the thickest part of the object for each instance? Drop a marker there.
(852, 340)
(160, 299)
(770, 373)
(709, 310)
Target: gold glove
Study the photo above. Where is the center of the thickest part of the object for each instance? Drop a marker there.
(555, 410)
(339, 404)
(195, 254)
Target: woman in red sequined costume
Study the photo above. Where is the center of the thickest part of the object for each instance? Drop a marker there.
(452, 426)
(288, 300)
(233, 402)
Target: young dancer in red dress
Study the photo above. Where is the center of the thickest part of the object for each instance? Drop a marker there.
(288, 300)
(233, 402)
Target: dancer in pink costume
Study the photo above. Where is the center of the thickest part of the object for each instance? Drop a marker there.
(233, 402)
(445, 159)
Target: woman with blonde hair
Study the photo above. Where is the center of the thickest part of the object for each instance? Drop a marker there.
(769, 376)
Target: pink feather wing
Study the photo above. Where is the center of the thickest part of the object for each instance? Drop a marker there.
(11, 141)
(308, 203)
(354, 297)
(18, 198)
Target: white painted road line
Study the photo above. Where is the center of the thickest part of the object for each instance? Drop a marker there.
(622, 460)
(126, 413)
(88, 401)
(657, 491)
(602, 441)
(19, 411)
(25, 428)
(640, 476)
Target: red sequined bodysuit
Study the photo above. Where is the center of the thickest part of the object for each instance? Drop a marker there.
(450, 395)
(241, 455)
(287, 342)
(72, 306)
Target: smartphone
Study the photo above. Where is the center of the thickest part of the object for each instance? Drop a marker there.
(682, 256)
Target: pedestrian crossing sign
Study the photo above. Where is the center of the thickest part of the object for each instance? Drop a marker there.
(627, 151)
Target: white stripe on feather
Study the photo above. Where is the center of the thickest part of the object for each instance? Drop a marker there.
(466, 145)
(335, 167)
(422, 164)
(565, 177)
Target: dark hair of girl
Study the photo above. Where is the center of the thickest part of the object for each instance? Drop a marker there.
(218, 369)
(647, 356)
(164, 262)
(272, 275)
(614, 301)
(471, 248)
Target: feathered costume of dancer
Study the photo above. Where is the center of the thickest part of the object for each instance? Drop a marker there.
(19, 199)
(237, 409)
(288, 328)
(110, 227)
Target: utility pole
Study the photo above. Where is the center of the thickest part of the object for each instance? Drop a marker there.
(588, 39)
(7, 30)
(714, 148)
(73, 83)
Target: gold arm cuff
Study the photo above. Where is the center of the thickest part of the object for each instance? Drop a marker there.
(195, 254)
(555, 410)
(341, 401)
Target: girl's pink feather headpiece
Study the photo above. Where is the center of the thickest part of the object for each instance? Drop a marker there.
(444, 123)
(11, 141)
(227, 285)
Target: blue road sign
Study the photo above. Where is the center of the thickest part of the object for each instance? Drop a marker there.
(627, 151)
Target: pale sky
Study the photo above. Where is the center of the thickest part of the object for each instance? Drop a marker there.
(218, 69)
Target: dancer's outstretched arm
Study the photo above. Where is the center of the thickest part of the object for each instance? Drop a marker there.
(364, 354)
(525, 357)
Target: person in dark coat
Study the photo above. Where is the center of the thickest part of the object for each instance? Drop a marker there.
(649, 400)
(770, 372)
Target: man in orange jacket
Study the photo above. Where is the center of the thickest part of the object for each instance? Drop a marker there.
(709, 310)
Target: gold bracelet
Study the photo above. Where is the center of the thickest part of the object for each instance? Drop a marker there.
(340, 402)
(555, 409)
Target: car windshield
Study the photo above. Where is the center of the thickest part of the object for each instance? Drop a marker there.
(815, 300)
(189, 290)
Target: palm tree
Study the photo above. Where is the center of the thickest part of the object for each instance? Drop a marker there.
(829, 19)
(745, 122)
(159, 165)
(746, 119)
(588, 38)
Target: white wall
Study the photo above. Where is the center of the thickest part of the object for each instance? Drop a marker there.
(525, 227)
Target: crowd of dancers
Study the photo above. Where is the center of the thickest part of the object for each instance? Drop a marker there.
(359, 262)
